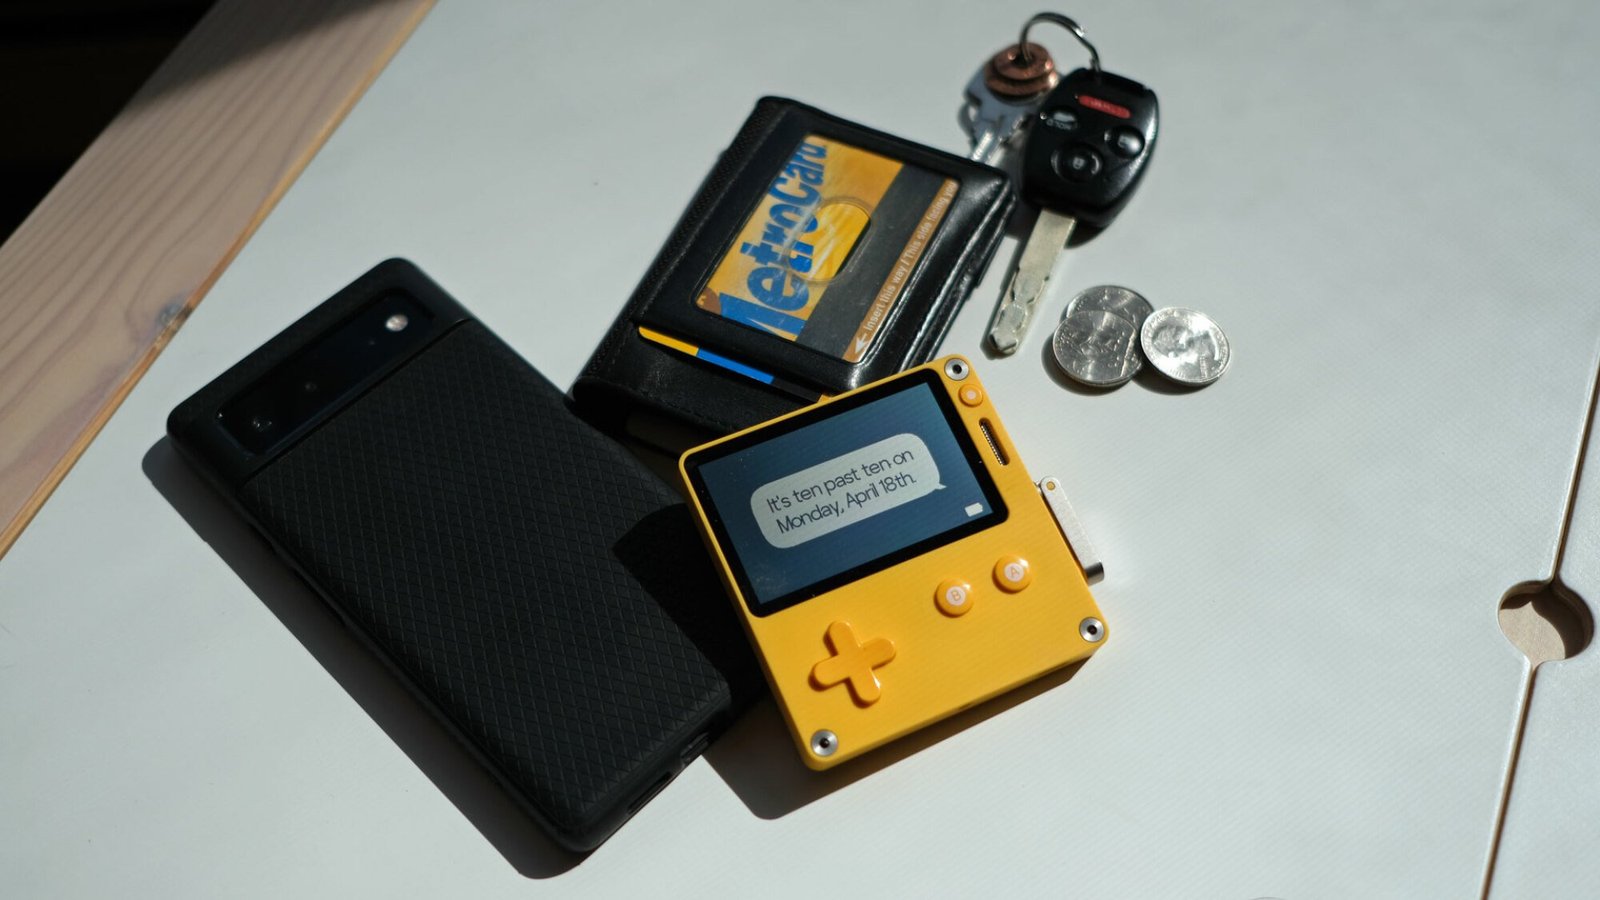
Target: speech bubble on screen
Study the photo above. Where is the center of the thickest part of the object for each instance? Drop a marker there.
(844, 490)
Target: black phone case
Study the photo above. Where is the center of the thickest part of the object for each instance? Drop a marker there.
(628, 375)
(532, 583)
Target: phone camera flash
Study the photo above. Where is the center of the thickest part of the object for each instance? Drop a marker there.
(397, 322)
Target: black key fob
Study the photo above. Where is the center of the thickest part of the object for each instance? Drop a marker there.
(1090, 142)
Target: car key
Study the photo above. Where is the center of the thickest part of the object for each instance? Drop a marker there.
(1088, 146)
(1003, 95)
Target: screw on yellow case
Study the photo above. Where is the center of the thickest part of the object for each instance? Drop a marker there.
(891, 559)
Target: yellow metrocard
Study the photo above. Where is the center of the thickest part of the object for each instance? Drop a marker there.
(829, 249)
(891, 559)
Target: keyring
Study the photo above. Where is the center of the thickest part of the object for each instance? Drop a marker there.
(1064, 22)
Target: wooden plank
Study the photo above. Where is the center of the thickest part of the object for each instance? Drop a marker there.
(97, 280)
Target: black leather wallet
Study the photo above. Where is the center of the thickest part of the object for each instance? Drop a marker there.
(819, 255)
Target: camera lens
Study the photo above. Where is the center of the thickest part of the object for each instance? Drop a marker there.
(260, 422)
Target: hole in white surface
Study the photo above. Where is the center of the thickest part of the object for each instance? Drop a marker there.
(1545, 620)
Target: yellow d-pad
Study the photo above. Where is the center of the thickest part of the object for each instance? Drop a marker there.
(853, 662)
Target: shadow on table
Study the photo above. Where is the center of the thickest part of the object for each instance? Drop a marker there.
(755, 757)
(760, 763)
(230, 33)
(363, 676)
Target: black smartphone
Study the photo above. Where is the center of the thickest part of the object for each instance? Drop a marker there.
(530, 580)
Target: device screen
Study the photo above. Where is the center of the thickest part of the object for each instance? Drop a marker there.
(843, 491)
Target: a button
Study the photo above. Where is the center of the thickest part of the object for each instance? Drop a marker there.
(1125, 142)
(1012, 573)
(1077, 163)
(971, 395)
(1061, 119)
(852, 663)
(954, 597)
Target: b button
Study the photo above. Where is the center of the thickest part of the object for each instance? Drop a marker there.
(1012, 573)
(954, 597)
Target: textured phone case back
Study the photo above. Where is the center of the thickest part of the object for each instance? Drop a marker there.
(504, 556)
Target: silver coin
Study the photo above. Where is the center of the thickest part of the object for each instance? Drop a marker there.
(1112, 299)
(1185, 345)
(1097, 347)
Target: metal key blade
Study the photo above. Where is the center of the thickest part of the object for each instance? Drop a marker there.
(1049, 235)
(994, 121)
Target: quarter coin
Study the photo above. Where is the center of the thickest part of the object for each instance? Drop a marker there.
(1097, 347)
(1185, 345)
(1112, 299)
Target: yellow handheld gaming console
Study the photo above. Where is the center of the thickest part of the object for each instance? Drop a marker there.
(890, 558)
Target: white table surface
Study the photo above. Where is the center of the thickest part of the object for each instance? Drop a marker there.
(1391, 210)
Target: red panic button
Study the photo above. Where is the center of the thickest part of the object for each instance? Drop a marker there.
(1105, 106)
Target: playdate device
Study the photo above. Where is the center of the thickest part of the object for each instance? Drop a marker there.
(890, 558)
